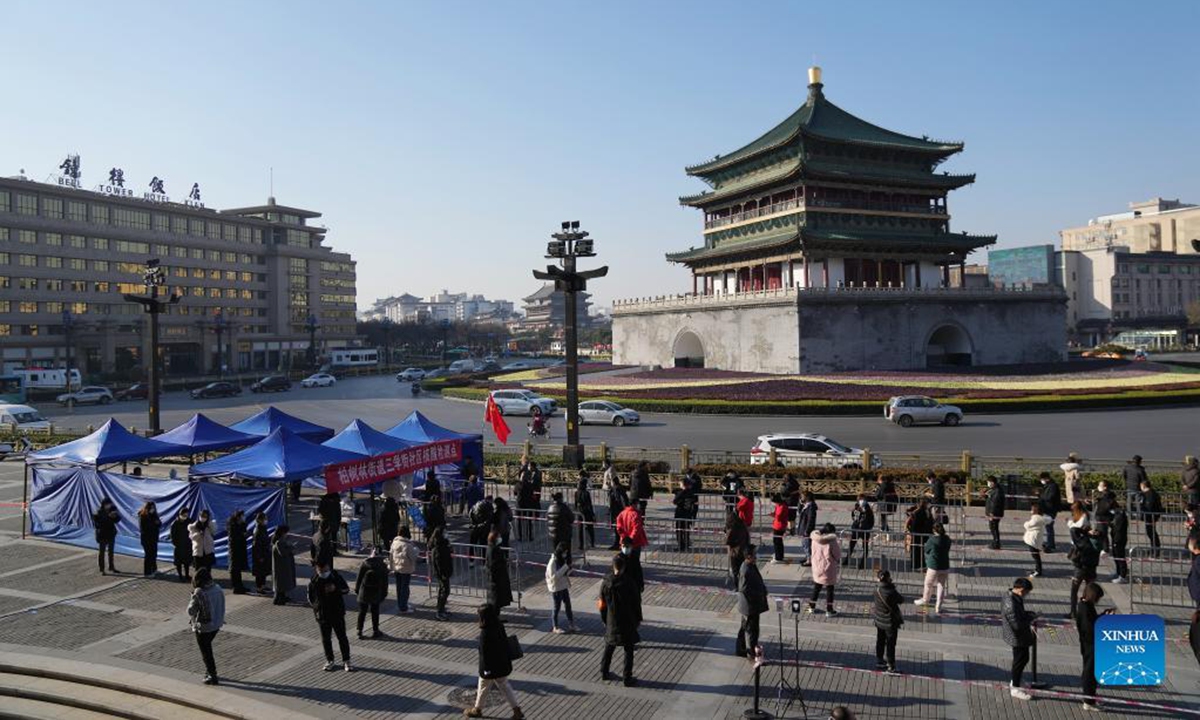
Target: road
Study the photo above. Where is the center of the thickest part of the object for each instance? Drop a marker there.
(1165, 434)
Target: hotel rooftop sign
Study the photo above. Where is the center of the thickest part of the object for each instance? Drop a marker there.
(115, 187)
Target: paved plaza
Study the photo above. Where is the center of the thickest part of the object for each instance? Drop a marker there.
(56, 611)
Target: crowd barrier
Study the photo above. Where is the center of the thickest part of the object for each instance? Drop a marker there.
(1159, 577)
(470, 578)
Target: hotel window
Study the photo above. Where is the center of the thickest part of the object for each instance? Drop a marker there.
(30, 330)
(3, 258)
(26, 204)
(5, 201)
(130, 268)
(52, 307)
(52, 208)
(214, 274)
(27, 260)
(78, 264)
(178, 225)
(229, 257)
(198, 273)
(1164, 269)
(198, 291)
(54, 239)
(162, 250)
(52, 261)
(79, 286)
(247, 277)
(299, 238)
(179, 251)
(231, 275)
(229, 232)
(3, 233)
(100, 265)
(214, 292)
(27, 307)
(99, 243)
(79, 308)
(231, 293)
(214, 231)
(100, 214)
(76, 211)
(245, 259)
(247, 294)
(77, 241)
(178, 271)
(27, 283)
(160, 222)
(129, 246)
(29, 237)
(5, 306)
(196, 253)
(245, 234)
(214, 256)
(124, 217)
(4, 285)
(196, 227)
(100, 287)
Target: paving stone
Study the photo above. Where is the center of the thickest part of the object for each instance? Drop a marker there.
(21, 555)
(63, 627)
(164, 594)
(238, 656)
(67, 578)
(10, 603)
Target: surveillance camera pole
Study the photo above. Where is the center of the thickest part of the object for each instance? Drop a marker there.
(154, 277)
(568, 245)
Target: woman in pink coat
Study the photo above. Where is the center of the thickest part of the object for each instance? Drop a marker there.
(826, 563)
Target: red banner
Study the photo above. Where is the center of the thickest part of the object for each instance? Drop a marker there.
(368, 471)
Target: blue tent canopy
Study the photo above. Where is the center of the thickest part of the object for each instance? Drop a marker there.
(201, 434)
(359, 437)
(283, 456)
(266, 422)
(112, 443)
(419, 429)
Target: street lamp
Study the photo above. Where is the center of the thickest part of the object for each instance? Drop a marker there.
(68, 321)
(311, 325)
(154, 277)
(565, 246)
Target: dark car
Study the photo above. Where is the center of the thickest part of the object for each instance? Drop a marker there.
(136, 391)
(272, 383)
(215, 390)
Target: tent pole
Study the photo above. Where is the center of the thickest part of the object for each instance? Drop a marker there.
(374, 524)
(25, 502)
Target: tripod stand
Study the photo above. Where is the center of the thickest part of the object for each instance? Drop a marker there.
(789, 691)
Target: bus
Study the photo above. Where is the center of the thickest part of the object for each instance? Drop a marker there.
(353, 357)
(12, 389)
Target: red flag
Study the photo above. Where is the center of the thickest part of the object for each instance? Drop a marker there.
(492, 416)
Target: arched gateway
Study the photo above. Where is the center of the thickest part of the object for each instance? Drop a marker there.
(948, 345)
(689, 351)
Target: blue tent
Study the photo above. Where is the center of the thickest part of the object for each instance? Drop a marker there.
(201, 434)
(359, 437)
(112, 443)
(417, 428)
(268, 421)
(283, 456)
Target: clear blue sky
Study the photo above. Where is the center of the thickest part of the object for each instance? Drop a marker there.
(443, 141)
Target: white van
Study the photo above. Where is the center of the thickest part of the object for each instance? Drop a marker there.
(25, 417)
(49, 378)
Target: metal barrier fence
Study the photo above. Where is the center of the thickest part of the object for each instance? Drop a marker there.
(1159, 578)
(469, 577)
(692, 544)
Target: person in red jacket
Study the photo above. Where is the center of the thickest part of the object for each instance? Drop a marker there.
(779, 525)
(745, 508)
(630, 525)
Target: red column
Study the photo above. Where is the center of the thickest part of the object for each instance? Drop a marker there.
(806, 275)
(693, 283)
(825, 272)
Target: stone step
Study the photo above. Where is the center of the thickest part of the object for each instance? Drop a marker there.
(29, 709)
(69, 694)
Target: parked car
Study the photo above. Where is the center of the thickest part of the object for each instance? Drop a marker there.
(136, 391)
(436, 373)
(318, 380)
(410, 375)
(272, 383)
(522, 402)
(23, 416)
(907, 410)
(519, 365)
(807, 449)
(221, 388)
(607, 413)
(93, 394)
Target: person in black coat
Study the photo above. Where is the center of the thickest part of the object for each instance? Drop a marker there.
(433, 487)
(751, 604)
(731, 488)
(560, 521)
(1085, 624)
(1050, 499)
(321, 548)
(149, 526)
(1016, 628)
(621, 612)
(495, 664)
(806, 522)
(326, 596)
(371, 588)
(1118, 541)
(1193, 581)
(617, 500)
(260, 553)
(1189, 480)
(993, 506)
(862, 521)
(1152, 510)
(330, 510)
(886, 499)
(919, 527)
(182, 543)
(499, 585)
(1085, 556)
(527, 490)
(389, 521)
(737, 539)
(888, 621)
(435, 516)
(1102, 511)
(441, 561)
(481, 521)
(641, 489)
(936, 492)
(235, 530)
(585, 509)
(685, 502)
(791, 495)
(105, 519)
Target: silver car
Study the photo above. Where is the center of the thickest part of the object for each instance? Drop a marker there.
(607, 413)
(908, 410)
(89, 394)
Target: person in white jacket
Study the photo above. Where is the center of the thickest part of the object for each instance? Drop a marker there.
(204, 554)
(404, 556)
(558, 582)
(1072, 478)
(1035, 535)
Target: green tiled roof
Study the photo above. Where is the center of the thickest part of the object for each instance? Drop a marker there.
(744, 183)
(773, 241)
(894, 240)
(851, 172)
(822, 119)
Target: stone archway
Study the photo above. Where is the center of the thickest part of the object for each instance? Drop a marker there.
(688, 351)
(948, 345)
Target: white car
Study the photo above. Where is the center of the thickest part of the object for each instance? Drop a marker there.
(522, 402)
(24, 417)
(807, 450)
(908, 410)
(410, 375)
(318, 380)
(607, 413)
(88, 394)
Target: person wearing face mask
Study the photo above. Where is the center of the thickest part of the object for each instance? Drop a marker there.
(326, 596)
(862, 521)
(149, 525)
(206, 614)
(260, 553)
(496, 560)
(751, 604)
(993, 507)
(204, 554)
(586, 510)
(621, 611)
(558, 582)
(183, 546)
(235, 531)
(371, 587)
(105, 520)
(633, 563)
